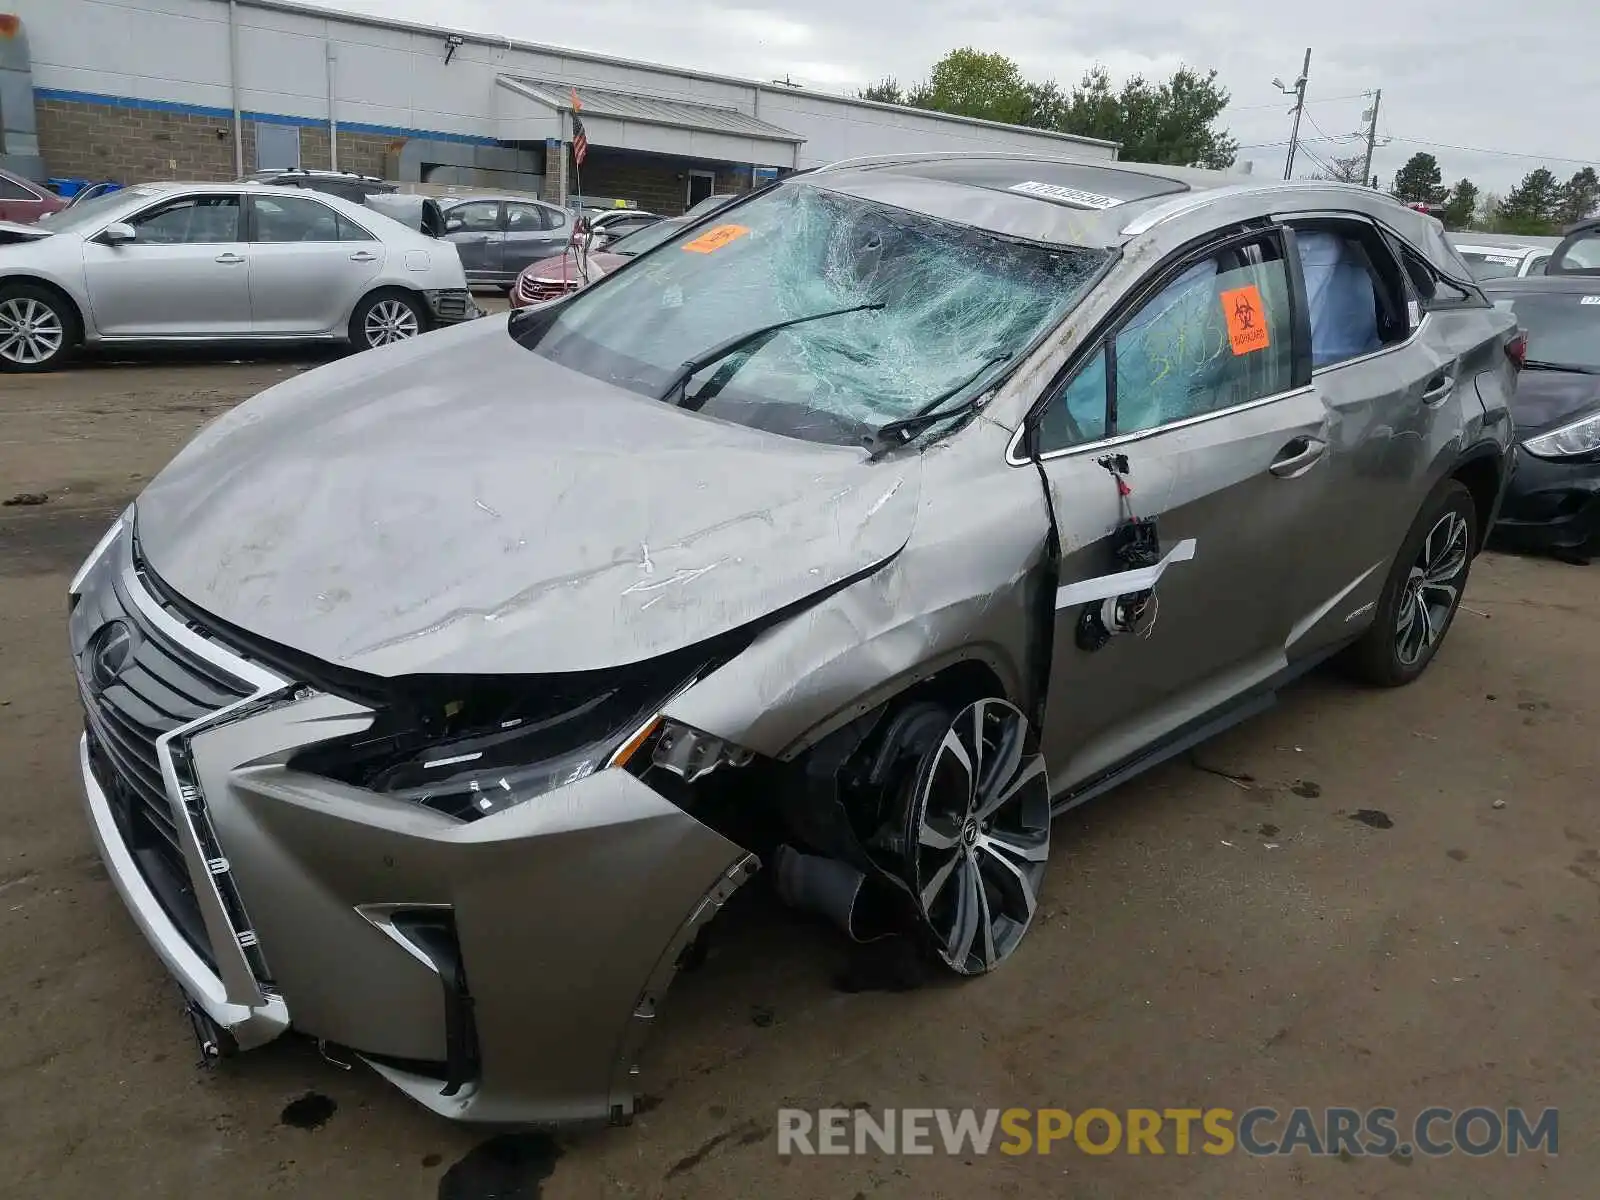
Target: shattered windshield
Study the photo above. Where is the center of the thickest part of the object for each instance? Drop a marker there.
(952, 298)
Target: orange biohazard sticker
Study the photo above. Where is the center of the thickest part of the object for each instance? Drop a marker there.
(1247, 319)
(716, 238)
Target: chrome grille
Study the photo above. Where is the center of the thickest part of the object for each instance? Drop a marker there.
(159, 688)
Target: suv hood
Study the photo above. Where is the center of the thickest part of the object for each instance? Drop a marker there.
(460, 504)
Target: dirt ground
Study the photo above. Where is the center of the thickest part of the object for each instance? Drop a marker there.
(1205, 941)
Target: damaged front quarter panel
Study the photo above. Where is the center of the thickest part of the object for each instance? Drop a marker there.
(964, 589)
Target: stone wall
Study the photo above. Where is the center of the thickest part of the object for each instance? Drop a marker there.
(133, 145)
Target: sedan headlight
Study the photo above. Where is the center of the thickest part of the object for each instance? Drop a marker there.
(1580, 437)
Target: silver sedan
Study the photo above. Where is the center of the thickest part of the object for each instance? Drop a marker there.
(219, 262)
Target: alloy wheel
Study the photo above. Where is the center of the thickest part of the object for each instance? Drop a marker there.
(1432, 589)
(390, 321)
(981, 820)
(31, 332)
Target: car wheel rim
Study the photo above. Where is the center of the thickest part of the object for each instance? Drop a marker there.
(982, 823)
(390, 321)
(31, 332)
(1432, 589)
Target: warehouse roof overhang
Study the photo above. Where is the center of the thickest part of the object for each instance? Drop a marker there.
(536, 110)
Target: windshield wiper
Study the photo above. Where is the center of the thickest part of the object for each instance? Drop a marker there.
(898, 433)
(679, 383)
(1534, 364)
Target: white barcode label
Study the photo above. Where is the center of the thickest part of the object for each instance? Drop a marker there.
(1066, 195)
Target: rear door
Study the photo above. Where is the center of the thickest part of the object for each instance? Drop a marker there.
(186, 274)
(477, 229)
(309, 264)
(533, 231)
(1203, 386)
(1383, 383)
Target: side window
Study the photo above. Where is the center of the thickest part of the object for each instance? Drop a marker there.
(1217, 334)
(349, 231)
(1537, 264)
(525, 218)
(198, 220)
(1579, 252)
(557, 218)
(1432, 290)
(476, 216)
(1354, 291)
(10, 190)
(294, 219)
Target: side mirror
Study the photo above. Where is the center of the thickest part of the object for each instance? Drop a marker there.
(119, 234)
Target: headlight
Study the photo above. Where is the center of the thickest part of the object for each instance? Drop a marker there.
(1580, 437)
(499, 742)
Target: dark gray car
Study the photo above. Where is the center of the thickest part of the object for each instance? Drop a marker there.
(438, 699)
(497, 236)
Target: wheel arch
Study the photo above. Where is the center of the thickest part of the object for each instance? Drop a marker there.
(383, 287)
(1481, 471)
(39, 281)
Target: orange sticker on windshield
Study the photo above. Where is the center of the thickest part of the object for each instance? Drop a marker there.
(716, 238)
(1247, 319)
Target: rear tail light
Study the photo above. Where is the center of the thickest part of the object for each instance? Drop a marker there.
(1517, 348)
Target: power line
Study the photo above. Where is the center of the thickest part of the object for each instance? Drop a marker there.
(1323, 100)
(1329, 137)
(1582, 162)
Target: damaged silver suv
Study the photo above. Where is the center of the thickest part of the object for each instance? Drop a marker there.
(437, 699)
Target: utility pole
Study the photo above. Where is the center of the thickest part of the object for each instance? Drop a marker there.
(1299, 107)
(1372, 137)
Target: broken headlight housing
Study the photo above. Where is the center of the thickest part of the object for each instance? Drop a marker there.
(472, 747)
(1579, 438)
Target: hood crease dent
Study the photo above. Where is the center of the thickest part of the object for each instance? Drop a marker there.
(458, 504)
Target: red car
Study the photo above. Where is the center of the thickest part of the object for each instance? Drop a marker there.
(24, 201)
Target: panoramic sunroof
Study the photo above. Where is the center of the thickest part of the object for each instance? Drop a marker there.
(1075, 185)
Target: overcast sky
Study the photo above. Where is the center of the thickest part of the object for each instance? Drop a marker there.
(1459, 77)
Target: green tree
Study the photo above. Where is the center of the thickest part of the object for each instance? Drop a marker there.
(972, 83)
(1530, 207)
(1461, 205)
(1169, 122)
(885, 91)
(1419, 181)
(1580, 196)
(1173, 121)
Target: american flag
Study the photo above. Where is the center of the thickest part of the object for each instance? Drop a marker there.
(580, 140)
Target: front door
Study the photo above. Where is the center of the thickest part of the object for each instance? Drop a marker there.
(1202, 387)
(701, 186)
(186, 273)
(477, 229)
(309, 265)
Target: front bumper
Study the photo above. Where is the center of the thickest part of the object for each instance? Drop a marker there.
(276, 899)
(1550, 505)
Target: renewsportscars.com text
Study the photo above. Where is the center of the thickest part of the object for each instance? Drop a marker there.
(1258, 1131)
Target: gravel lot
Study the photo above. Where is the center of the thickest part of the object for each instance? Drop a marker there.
(1206, 940)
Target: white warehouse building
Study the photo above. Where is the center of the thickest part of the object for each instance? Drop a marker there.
(208, 89)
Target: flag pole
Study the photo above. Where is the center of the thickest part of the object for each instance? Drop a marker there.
(577, 178)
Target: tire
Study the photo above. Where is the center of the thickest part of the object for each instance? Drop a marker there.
(387, 317)
(977, 840)
(39, 331)
(1423, 592)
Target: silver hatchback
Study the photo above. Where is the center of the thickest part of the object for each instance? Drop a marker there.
(437, 700)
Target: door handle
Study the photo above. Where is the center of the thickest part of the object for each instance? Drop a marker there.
(363, 256)
(1439, 386)
(1297, 455)
(230, 258)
